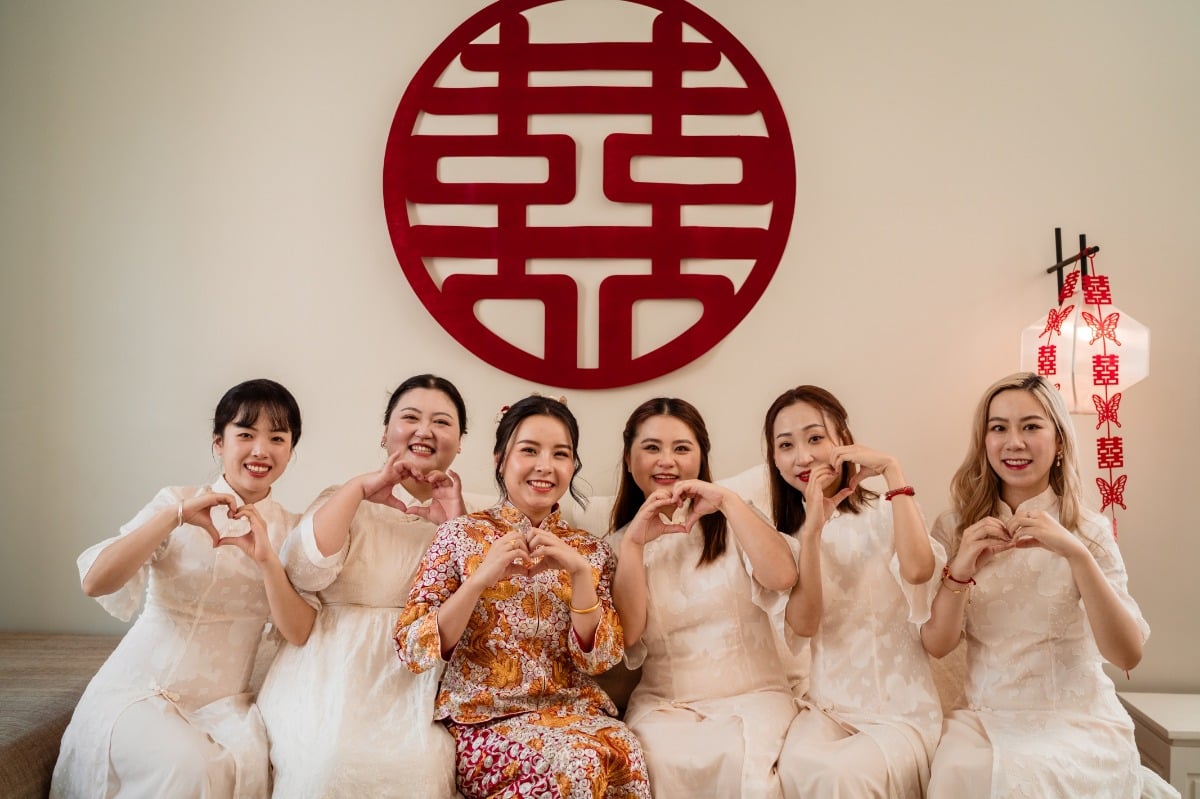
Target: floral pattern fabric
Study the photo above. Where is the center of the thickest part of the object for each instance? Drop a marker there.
(519, 670)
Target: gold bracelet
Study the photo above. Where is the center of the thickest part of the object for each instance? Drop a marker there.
(594, 607)
(966, 587)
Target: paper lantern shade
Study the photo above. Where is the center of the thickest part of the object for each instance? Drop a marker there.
(1087, 351)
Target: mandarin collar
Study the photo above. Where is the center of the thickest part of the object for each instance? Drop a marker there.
(511, 514)
(1047, 500)
(221, 486)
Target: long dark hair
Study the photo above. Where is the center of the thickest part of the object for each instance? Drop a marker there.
(431, 382)
(787, 504)
(630, 497)
(245, 402)
(537, 405)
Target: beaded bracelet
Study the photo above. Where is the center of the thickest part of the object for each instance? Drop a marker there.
(907, 491)
(584, 610)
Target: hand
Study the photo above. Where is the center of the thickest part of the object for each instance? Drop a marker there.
(1037, 528)
(508, 555)
(981, 542)
(378, 487)
(256, 544)
(818, 508)
(447, 502)
(548, 551)
(705, 498)
(198, 511)
(647, 523)
(870, 463)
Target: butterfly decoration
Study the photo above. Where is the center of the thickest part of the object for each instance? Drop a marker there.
(1103, 328)
(1106, 410)
(1054, 320)
(1112, 493)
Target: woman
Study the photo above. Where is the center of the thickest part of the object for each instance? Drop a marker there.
(1037, 587)
(170, 713)
(700, 603)
(517, 606)
(344, 719)
(872, 717)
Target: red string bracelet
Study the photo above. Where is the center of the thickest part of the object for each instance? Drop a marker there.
(907, 491)
(946, 575)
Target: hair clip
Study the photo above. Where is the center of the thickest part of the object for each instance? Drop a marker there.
(561, 398)
(500, 415)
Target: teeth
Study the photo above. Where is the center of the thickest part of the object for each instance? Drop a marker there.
(422, 449)
(540, 484)
(256, 468)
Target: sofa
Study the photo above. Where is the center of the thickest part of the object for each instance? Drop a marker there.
(43, 675)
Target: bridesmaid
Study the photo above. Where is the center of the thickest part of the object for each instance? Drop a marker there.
(170, 712)
(699, 573)
(1037, 587)
(344, 718)
(873, 716)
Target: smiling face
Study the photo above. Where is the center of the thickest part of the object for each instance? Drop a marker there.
(801, 440)
(664, 451)
(537, 466)
(253, 457)
(424, 423)
(1021, 443)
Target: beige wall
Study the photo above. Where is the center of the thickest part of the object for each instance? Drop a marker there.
(190, 196)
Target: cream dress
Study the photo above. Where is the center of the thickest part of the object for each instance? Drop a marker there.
(1042, 717)
(714, 700)
(174, 694)
(345, 718)
(872, 717)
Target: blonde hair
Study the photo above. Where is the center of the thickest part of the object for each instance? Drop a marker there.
(975, 489)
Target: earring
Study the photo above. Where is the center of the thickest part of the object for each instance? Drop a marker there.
(1058, 459)
(383, 442)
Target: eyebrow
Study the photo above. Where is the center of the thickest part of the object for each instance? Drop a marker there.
(652, 440)
(1031, 417)
(536, 443)
(447, 414)
(787, 434)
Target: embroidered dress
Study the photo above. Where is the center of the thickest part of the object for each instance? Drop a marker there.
(170, 713)
(345, 719)
(516, 692)
(714, 701)
(1042, 717)
(872, 718)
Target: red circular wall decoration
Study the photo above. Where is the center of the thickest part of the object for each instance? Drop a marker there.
(685, 118)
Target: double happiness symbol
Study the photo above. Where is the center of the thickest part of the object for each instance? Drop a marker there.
(680, 91)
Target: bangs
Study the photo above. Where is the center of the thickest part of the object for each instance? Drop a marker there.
(277, 416)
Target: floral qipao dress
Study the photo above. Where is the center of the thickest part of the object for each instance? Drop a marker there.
(170, 712)
(1042, 718)
(516, 694)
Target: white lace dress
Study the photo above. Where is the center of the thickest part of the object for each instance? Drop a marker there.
(345, 717)
(873, 716)
(1042, 717)
(714, 700)
(171, 709)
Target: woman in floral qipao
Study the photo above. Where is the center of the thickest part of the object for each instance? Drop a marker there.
(517, 605)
